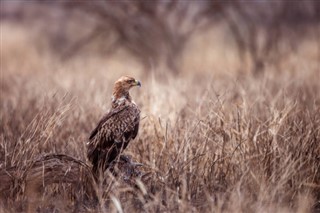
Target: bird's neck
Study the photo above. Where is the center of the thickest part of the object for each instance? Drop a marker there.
(120, 94)
(120, 97)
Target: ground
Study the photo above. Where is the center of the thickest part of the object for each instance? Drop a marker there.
(211, 138)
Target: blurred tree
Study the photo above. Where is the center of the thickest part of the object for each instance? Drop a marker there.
(265, 32)
(156, 32)
(153, 31)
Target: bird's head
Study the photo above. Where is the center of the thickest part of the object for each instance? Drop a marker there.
(123, 85)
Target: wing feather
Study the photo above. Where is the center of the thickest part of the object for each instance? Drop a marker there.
(112, 134)
(105, 119)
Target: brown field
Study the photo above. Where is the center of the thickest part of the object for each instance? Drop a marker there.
(211, 139)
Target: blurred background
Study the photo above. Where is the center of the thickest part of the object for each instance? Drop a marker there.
(230, 102)
(162, 37)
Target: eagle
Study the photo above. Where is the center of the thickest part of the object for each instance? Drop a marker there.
(116, 128)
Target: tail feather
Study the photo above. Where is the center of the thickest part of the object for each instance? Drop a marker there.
(101, 159)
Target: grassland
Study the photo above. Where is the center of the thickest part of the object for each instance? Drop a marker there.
(215, 140)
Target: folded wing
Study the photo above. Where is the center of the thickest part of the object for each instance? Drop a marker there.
(112, 135)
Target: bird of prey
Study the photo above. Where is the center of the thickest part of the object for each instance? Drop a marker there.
(116, 128)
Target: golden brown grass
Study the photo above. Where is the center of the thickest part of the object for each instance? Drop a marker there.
(214, 140)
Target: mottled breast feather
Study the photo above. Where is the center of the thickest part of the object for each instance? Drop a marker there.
(113, 134)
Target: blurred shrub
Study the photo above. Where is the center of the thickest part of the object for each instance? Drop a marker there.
(156, 32)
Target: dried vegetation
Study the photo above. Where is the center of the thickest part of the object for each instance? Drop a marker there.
(209, 140)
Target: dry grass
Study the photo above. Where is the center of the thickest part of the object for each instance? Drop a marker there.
(213, 140)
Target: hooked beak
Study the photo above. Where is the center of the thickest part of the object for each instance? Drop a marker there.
(138, 83)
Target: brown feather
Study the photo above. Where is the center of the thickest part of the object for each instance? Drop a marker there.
(116, 129)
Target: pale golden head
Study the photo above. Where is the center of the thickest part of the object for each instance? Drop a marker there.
(123, 85)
